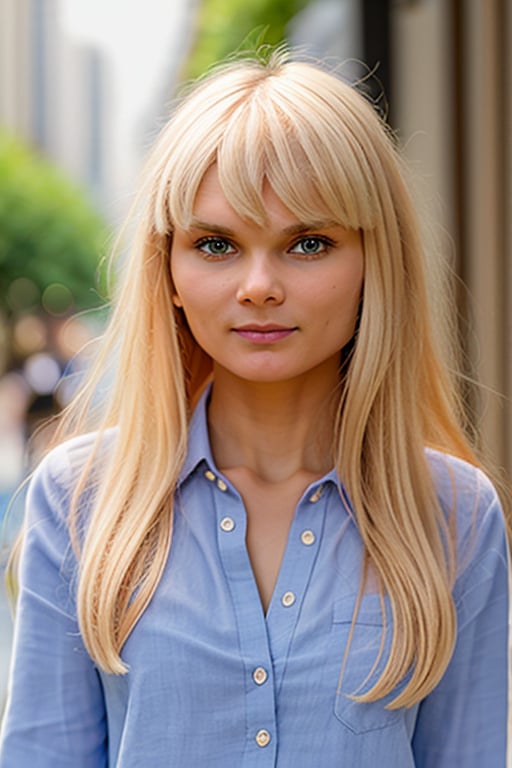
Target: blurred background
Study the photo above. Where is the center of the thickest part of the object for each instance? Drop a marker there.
(85, 86)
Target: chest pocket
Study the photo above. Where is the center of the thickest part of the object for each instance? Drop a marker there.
(363, 665)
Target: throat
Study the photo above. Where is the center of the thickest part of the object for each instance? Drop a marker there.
(276, 438)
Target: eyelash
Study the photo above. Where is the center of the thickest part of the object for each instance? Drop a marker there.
(205, 241)
(202, 244)
(324, 241)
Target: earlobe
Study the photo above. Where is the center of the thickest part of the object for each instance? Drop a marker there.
(177, 301)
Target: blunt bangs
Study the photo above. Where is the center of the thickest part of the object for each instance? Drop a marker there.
(300, 129)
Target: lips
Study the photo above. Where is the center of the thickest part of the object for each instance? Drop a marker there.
(264, 334)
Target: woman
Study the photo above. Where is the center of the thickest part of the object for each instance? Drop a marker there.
(275, 547)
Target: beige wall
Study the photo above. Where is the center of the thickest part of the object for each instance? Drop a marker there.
(453, 111)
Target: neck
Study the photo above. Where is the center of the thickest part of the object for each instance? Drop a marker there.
(276, 430)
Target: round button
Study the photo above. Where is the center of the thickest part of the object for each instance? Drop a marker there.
(221, 485)
(259, 675)
(262, 738)
(307, 538)
(288, 599)
(227, 524)
(316, 495)
(209, 475)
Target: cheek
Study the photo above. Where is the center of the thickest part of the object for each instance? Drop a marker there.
(184, 276)
(344, 304)
(188, 289)
(194, 309)
(201, 311)
(346, 294)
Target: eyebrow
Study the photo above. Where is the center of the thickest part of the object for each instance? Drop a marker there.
(207, 227)
(293, 229)
(308, 226)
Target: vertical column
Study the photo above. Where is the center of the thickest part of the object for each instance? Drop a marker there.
(16, 87)
(424, 109)
(484, 211)
(377, 52)
(506, 43)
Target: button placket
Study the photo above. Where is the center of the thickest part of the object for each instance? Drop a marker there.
(297, 566)
(252, 631)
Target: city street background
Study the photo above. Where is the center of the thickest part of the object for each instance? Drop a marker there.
(85, 85)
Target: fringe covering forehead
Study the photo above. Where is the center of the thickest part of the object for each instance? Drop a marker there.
(311, 136)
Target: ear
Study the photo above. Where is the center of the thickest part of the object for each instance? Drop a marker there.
(176, 300)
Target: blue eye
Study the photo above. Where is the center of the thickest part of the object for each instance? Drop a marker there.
(215, 246)
(310, 246)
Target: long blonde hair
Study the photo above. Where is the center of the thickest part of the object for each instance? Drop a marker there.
(326, 153)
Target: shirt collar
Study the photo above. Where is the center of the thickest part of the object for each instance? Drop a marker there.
(199, 449)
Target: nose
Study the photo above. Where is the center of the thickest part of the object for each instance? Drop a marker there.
(260, 282)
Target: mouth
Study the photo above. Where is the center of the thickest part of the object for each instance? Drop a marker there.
(264, 334)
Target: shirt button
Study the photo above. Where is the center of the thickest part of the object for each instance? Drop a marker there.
(316, 495)
(262, 738)
(227, 524)
(221, 485)
(288, 599)
(307, 538)
(209, 475)
(259, 675)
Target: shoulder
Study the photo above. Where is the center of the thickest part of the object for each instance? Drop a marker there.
(459, 484)
(58, 473)
(473, 510)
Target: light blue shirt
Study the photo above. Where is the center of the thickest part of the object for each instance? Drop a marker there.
(213, 682)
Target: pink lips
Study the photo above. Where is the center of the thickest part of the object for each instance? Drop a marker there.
(263, 334)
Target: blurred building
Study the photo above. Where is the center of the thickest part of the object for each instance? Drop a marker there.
(446, 70)
(452, 84)
(53, 91)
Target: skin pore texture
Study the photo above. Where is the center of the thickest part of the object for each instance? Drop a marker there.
(272, 307)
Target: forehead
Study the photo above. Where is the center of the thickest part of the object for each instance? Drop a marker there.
(211, 199)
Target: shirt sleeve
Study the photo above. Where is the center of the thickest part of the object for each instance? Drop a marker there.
(55, 713)
(464, 720)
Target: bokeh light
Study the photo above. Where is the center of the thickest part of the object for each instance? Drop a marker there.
(22, 294)
(42, 372)
(72, 336)
(29, 335)
(57, 299)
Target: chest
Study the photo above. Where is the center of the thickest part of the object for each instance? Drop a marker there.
(214, 662)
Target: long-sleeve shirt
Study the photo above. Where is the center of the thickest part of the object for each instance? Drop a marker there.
(213, 681)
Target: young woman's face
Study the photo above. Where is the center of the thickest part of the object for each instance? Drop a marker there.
(266, 304)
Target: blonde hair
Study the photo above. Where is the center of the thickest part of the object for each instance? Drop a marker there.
(326, 154)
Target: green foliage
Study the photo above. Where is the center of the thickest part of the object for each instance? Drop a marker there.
(50, 237)
(226, 26)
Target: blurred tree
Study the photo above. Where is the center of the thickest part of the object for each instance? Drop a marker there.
(225, 26)
(50, 236)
